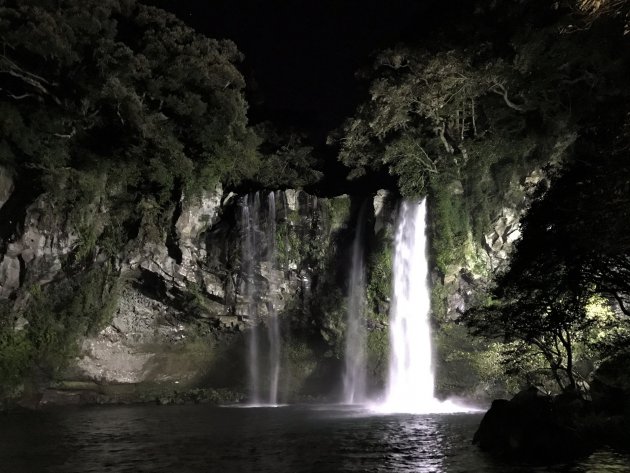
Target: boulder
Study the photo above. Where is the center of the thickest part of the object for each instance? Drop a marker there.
(610, 387)
(532, 427)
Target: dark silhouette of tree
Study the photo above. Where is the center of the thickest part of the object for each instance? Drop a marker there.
(575, 245)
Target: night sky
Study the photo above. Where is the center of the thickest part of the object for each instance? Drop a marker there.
(302, 56)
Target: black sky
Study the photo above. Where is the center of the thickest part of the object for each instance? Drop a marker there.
(302, 55)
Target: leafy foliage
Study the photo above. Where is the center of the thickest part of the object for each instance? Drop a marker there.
(431, 113)
(379, 274)
(52, 320)
(469, 366)
(123, 96)
(286, 160)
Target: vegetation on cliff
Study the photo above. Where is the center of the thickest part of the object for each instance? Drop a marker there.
(111, 113)
(564, 297)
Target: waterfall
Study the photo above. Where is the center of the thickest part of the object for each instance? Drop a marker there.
(258, 258)
(249, 223)
(273, 327)
(354, 379)
(411, 384)
(410, 387)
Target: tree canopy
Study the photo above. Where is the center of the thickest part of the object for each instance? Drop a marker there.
(123, 85)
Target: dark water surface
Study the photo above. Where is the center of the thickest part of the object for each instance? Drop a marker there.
(285, 439)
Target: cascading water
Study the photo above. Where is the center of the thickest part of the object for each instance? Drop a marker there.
(258, 251)
(410, 386)
(355, 373)
(249, 222)
(411, 383)
(273, 327)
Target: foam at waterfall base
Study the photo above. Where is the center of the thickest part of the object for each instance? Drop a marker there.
(429, 406)
(255, 406)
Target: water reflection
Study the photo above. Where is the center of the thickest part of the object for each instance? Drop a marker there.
(413, 444)
(285, 439)
(605, 461)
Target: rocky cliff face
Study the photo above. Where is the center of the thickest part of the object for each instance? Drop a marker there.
(164, 317)
(179, 311)
(467, 366)
(490, 253)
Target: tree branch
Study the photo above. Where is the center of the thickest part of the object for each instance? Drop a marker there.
(621, 302)
(472, 112)
(66, 136)
(441, 130)
(17, 97)
(500, 89)
(34, 80)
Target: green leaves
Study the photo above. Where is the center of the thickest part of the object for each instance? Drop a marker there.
(123, 83)
(430, 113)
(286, 159)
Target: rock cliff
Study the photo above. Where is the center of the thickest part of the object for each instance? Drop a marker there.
(176, 313)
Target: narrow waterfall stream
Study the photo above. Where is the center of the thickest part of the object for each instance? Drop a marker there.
(259, 257)
(250, 208)
(273, 326)
(355, 372)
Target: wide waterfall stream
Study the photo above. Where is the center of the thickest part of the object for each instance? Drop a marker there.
(411, 384)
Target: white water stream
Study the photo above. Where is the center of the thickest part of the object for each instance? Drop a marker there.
(411, 384)
(258, 249)
(273, 326)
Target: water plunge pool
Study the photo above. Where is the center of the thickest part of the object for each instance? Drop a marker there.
(197, 438)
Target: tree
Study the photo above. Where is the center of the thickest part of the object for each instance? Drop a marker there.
(574, 248)
(538, 310)
(426, 112)
(286, 159)
(119, 88)
(116, 111)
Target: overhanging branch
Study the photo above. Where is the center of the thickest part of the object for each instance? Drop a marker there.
(39, 83)
(500, 89)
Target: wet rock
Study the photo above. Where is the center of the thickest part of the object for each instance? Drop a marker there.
(144, 343)
(382, 213)
(199, 215)
(456, 187)
(292, 199)
(36, 255)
